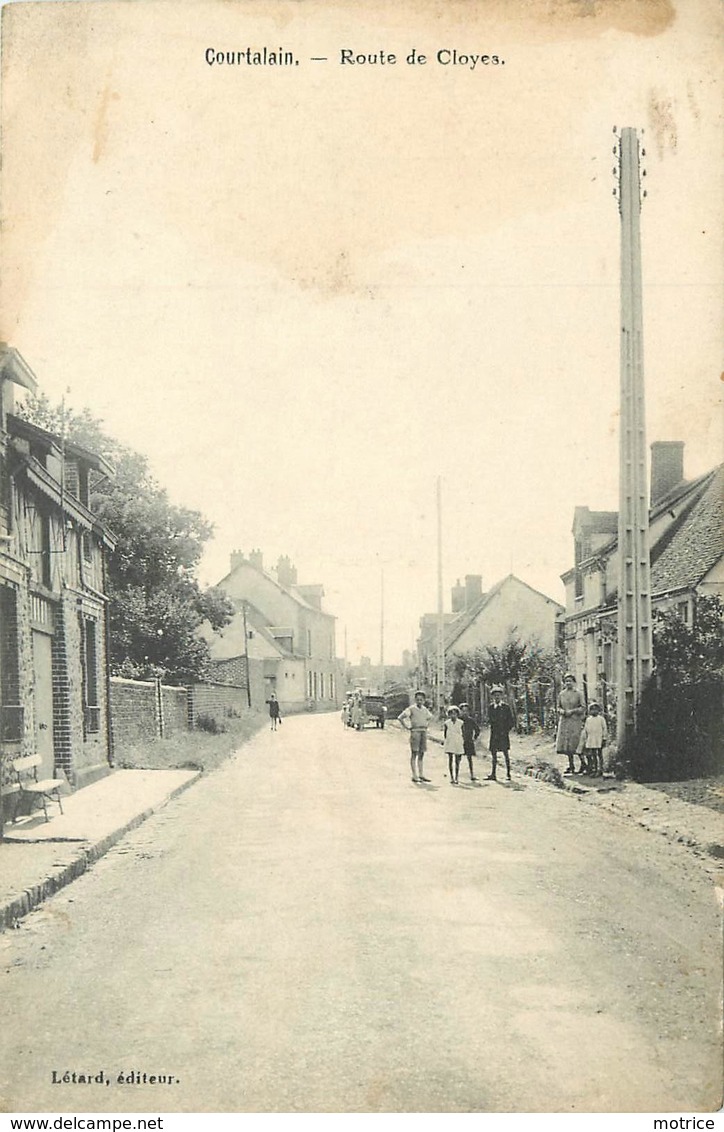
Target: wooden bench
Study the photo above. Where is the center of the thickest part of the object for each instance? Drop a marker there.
(24, 782)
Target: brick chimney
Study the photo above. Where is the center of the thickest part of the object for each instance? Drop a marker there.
(237, 557)
(667, 467)
(286, 572)
(457, 597)
(256, 559)
(473, 589)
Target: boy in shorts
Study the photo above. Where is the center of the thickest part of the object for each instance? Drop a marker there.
(416, 719)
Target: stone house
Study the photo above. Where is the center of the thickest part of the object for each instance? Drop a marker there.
(487, 620)
(686, 542)
(279, 633)
(53, 622)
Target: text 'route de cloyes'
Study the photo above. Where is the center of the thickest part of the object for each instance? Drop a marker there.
(349, 57)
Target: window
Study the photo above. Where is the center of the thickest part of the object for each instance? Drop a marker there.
(5, 490)
(89, 669)
(682, 610)
(87, 547)
(46, 574)
(11, 712)
(314, 694)
(83, 485)
(309, 684)
(578, 558)
(321, 685)
(309, 642)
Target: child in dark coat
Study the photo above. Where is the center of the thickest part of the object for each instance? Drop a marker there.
(501, 724)
(470, 734)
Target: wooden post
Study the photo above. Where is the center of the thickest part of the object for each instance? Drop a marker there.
(634, 588)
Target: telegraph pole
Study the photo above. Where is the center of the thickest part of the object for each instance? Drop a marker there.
(634, 582)
(440, 619)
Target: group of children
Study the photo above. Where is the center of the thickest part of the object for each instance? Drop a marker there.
(581, 731)
(459, 734)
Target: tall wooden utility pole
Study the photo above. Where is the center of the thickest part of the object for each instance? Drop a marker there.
(440, 618)
(634, 582)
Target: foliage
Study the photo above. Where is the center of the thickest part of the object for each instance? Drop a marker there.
(681, 714)
(514, 660)
(687, 655)
(156, 603)
(209, 724)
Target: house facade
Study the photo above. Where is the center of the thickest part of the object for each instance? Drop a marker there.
(686, 541)
(53, 621)
(487, 620)
(280, 629)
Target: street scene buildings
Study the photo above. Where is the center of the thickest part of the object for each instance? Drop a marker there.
(361, 603)
(281, 632)
(686, 518)
(53, 628)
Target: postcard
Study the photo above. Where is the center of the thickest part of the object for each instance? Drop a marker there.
(350, 278)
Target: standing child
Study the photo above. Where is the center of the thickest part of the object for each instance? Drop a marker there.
(470, 734)
(274, 713)
(593, 739)
(453, 742)
(501, 724)
(416, 719)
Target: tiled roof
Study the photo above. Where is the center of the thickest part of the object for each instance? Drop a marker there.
(687, 490)
(693, 544)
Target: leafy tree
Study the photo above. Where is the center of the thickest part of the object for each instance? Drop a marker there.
(500, 665)
(523, 666)
(686, 654)
(155, 601)
(680, 720)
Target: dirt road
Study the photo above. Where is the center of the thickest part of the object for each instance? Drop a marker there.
(306, 930)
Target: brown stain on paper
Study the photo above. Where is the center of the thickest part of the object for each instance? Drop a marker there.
(100, 134)
(355, 163)
(662, 123)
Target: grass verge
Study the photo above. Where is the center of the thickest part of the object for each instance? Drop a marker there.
(191, 750)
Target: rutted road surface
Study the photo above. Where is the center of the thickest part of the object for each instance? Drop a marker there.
(306, 930)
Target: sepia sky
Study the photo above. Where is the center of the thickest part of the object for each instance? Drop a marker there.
(306, 292)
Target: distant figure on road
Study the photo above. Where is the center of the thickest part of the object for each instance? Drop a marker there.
(274, 714)
(470, 734)
(501, 724)
(594, 738)
(453, 742)
(571, 713)
(416, 719)
(356, 711)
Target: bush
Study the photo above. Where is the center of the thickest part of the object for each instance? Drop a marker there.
(679, 735)
(205, 722)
